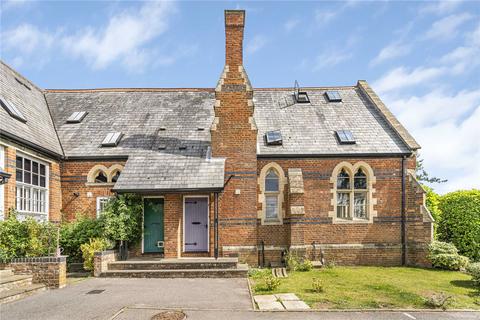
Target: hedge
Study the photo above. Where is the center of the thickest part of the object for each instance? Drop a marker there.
(459, 222)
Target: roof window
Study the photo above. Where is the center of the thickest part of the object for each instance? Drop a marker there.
(12, 110)
(112, 139)
(345, 137)
(300, 96)
(77, 117)
(274, 138)
(333, 96)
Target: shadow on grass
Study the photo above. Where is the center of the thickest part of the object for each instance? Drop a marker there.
(463, 283)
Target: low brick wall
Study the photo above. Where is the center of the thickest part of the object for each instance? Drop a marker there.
(101, 261)
(51, 271)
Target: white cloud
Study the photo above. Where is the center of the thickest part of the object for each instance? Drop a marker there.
(401, 77)
(123, 38)
(331, 58)
(325, 16)
(257, 43)
(447, 27)
(27, 38)
(440, 7)
(446, 126)
(391, 51)
(291, 24)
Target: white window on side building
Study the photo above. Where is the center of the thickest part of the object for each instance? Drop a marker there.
(101, 203)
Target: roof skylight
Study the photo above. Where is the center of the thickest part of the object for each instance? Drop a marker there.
(112, 139)
(345, 137)
(333, 96)
(12, 109)
(273, 138)
(77, 117)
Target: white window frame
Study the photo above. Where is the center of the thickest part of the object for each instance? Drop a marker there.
(2, 187)
(32, 188)
(99, 204)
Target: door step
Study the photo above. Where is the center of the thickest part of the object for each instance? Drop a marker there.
(175, 264)
(20, 292)
(239, 272)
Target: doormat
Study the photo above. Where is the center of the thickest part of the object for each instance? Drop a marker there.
(95, 291)
(169, 315)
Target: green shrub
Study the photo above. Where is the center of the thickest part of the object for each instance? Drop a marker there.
(292, 261)
(89, 249)
(436, 301)
(460, 222)
(473, 269)
(306, 265)
(445, 256)
(271, 283)
(317, 285)
(27, 238)
(74, 234)
(122, 218)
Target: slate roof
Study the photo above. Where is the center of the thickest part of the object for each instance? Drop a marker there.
(39, 129)
(166, 172)
(309, 128)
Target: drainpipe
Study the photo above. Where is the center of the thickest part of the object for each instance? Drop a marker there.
(215, 225)
(404, 217)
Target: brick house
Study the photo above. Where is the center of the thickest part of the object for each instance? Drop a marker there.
(229, 171)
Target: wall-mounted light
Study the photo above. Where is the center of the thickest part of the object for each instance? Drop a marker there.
(4, 176)
(76, 194)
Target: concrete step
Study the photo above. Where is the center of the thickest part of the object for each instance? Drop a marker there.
(175, 264)
(15, 281)
(20, 292)
(6, 273)
(239, 272)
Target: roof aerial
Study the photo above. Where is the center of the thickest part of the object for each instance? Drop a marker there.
(300, 96)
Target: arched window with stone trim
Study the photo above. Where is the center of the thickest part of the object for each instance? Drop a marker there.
(115, 176)
(101, 177)
(353, 189)
(272, 183)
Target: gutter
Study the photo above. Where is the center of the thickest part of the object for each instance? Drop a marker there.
(175, 190)
(31, 145)
(334, 155)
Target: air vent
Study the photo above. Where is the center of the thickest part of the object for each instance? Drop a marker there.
(274, 138)
(162, 129)
(333, 96)
(200, 129)
(12, 109)
(77, 117)
(345, 137)
(112, 139)
(182, 147)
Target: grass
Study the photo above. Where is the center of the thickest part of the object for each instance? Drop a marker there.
(375, 287)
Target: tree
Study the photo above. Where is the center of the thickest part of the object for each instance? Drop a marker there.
(423, 176)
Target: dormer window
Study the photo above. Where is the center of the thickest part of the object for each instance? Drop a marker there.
(274, 138)
(12, 109)
(112, 139)
(77, 117)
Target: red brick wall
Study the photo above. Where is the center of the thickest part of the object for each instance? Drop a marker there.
(74, 180)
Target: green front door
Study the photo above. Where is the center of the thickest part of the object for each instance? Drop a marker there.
(153, 225)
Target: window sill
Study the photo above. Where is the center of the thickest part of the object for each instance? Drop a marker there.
(272, 222)
(93, 184)
(351, 221)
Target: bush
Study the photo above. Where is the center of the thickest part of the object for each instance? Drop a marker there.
(292, 261)
(306, 265)
(271, 283)
(74, 234)
(27, 238)
(317, 285)
(473, 269)
(459, 222)
(445, 256)
(438, 301)
(122, 218)
(89, 249)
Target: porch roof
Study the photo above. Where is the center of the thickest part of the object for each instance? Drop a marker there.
(160, 172)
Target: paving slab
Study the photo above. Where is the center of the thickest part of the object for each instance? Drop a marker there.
(268, 306)
(265, 298)
(287, 297)
(295, 305)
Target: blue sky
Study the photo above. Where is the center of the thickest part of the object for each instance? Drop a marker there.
(423, 58)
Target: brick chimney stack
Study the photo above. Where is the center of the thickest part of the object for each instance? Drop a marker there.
(234, 137)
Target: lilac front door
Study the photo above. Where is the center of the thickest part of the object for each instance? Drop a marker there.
(196, 224)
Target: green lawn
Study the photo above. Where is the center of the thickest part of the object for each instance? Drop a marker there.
(375, 287)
